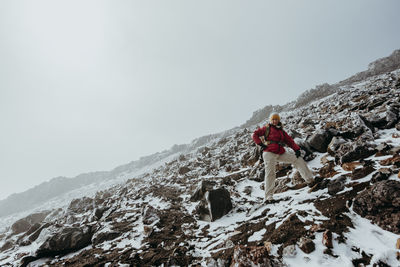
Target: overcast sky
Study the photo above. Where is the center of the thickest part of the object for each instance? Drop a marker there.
(90, 85)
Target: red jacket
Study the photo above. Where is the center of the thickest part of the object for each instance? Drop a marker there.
(275, 134)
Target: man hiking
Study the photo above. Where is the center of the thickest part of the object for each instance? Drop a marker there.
(272, 138)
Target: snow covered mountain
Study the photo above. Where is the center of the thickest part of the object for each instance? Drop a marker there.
(200, 205)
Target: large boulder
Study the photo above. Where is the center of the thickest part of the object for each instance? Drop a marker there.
(219, 202)
(201, 189)
(359, 151)
(381, 204)
(24, 224)
(320, 140)
(65, 240)
(214, 204)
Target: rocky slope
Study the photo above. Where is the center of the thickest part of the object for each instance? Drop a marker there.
(378, 67)
(201, 208)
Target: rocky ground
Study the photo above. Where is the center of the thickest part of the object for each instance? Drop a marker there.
(202, 208)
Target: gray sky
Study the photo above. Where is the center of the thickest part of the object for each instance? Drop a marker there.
(90, 85)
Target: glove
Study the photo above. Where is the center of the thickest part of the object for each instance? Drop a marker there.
(262, 146)
(298, 153)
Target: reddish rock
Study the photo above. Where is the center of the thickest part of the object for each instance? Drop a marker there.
(350, 166)
(327, 239)
(316, 228)
(328, 170)
(395, 160)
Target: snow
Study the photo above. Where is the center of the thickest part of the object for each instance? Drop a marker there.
(373, 240)
(257, 235)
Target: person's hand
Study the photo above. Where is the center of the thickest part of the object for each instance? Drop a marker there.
(262, 146)
(298, 153)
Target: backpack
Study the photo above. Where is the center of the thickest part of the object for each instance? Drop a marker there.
(264, 138)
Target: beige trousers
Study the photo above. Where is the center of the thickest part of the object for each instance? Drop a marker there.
(270, 160)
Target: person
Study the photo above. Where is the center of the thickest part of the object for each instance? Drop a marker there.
(273, 149)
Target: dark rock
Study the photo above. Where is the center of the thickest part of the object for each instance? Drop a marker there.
(381, 175)
(306, 122)
(320, 140)
(257, 173)
(20, 226)
(361, 172)
(306, 245)
(219, 201)
(81, 205)
(183, 170)
(334, 145)
(251, 256)
(289, 232)
(7, 245)
(305, 146)
(247, 190)
(202, 188)
(282, 170)
(319, 183)
(392, 117)
(381, 204)
(336, 185)
(373, 120)
(98, 213)
(101, 236)
(65, 240)
(221, 162)
(359, 152)
(383, 149)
